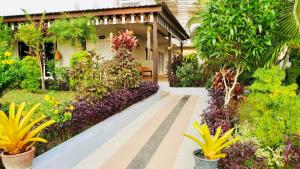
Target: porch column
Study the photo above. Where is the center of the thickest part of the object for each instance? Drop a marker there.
(154, 50)
(169, 54)
(181, 48)
(149, 28)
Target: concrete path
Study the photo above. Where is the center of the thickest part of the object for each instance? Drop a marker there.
(154, 140)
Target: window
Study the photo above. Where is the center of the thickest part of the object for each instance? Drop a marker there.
(23, 50)
(49, 55)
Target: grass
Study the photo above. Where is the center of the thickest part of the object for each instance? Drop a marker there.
(19, 96)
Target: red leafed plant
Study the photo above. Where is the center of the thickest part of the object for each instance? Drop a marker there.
(292, 152)
(125, 40)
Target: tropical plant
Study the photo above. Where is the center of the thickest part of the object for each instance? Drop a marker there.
(5, 37)
(237, 33)
(31, 74)
(212, 145)
(33, 34)
(292, 152)
(87, 78)
(74, 30)
(242, 156)
(188, 74)
(122, 71)
(176, 63)
(59, 112)
(271, 106)
(18, 130)
(10, 74)
(288, 35)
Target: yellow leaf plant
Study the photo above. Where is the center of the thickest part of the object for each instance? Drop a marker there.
(18, 131)
(212, 145)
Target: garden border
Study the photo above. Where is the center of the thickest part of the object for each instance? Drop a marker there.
(69, 153)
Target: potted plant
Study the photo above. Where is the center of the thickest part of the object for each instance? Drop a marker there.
(18, 134)
(207, 157)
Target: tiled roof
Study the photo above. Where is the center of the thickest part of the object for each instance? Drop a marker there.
(14, 7)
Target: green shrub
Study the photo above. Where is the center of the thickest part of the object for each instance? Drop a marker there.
(273, 109)
(31, 74)
(188, 74)
(78, 57)
(87, 78)
(293, 72)
(122, 71)
(10, 74)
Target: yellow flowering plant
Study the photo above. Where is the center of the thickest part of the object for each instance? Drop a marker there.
(60, 112)
(212, 145)
(19, 130)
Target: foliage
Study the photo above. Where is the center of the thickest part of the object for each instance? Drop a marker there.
(292, 152)
(31, 74)
(10, 75)
(122, 71)
(87, 114)
(271, 107)
(176, 63)
(59, 112)
(5, 37)
(293, 72)
(78, 57)
(242, 156)
(288, 35)
(17, 134)
(188, 74)
(212, 145)
(74, 30)
(237, 32)
(60, 79)
(217, 115)
(274, 156)
(229, 77)
(87, 78)
(34, 35)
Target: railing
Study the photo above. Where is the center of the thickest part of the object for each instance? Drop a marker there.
(123, 3)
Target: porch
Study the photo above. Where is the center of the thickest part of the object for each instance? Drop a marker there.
(157, 29)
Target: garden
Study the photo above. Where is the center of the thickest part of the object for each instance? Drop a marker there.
(35, 110)
(250, 52)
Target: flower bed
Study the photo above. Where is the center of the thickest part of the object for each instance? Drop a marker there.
(88, 114)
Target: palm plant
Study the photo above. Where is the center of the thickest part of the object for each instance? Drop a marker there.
(289, 33)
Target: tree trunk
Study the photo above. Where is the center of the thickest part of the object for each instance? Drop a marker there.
(41, 71)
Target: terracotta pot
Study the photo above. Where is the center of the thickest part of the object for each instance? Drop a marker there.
(19, 161)
(58, 56)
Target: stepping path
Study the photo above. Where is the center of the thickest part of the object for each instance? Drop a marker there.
(154, 140)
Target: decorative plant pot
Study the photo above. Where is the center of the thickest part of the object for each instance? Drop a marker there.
(201, 163)
(19, 161)
(58, 56)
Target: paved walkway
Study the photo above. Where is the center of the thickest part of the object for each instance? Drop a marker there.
(154, 140)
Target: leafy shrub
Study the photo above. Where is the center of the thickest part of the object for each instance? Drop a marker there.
(293, 72)
(122, 71)
(31, 74)
(292, 152)
(188, 74)
(217, 115)
(274, 108)
(59, 112)
(78, 57)
(87, 78)
(87, 114)
(176, 63)
(61, 79)
(10, 74)
(242, 156)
